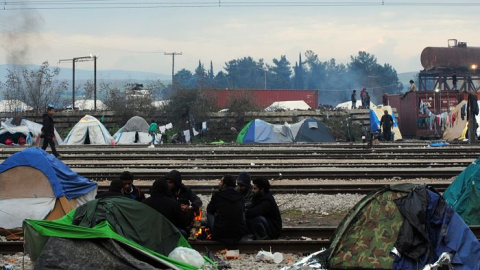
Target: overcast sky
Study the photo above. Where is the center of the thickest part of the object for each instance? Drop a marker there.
(135, 36)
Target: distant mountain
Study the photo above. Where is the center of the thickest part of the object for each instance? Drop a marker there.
(110, 75)
(405, 77)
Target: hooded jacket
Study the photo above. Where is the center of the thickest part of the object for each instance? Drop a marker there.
(266, 206)
(48, 128)
(183, 194)
(162, 200)
(228, 207)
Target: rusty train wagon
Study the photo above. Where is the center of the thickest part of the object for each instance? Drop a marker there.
(449, 74)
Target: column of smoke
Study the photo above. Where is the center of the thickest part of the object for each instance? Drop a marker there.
(21, 35)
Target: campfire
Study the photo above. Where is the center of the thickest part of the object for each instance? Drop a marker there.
(198, 231)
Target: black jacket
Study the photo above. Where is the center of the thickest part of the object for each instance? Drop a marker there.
(48, 128)
(170, 209)
(228, 208)
(186, 196)
(136, 194)
(109, 194)
(266, 206)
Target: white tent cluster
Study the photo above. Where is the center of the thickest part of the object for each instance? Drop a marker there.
(13, 128)
(288, 106)
(13, 106)
(88, 131)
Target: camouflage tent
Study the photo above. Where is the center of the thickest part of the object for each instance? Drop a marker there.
(413, 221)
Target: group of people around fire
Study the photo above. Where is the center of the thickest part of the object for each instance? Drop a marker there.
(242, 208)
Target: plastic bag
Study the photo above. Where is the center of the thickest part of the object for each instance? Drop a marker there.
(187, 255)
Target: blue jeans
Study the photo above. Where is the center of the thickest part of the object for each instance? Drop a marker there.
(259, 227)
(153, 137)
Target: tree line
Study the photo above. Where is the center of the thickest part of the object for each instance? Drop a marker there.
(332, 80)
(40, 86)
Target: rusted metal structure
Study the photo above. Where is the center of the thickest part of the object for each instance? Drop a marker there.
(413, 123)
(449, 74)
(450, 68)
(263, 98)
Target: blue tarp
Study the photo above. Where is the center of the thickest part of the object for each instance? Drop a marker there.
(375, 121)
(63, 180)
(260, 131)
(437, 144)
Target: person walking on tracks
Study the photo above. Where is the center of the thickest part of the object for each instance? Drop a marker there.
(48, 131)
(386, 123)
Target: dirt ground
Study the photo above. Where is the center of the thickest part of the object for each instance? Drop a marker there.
(299, 219)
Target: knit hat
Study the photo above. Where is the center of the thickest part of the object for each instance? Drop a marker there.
(175, 177)
(243, 179)
(126, 175)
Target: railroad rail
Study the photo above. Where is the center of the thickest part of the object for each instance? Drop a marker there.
(294, 240)
(352, 188)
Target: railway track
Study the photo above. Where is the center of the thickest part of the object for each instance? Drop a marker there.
(314, 239)
(320, 161)
(298, 189)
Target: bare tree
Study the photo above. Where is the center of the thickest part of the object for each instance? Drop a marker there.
(186, 108)
(37, 88)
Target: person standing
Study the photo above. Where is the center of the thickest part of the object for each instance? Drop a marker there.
(385, 99)
(362, 97)
(226, 213)
(263, 219)
(387, 122)
(367, 100)
(353, 98)
(152, 130)
(454, 81)
(48, 131)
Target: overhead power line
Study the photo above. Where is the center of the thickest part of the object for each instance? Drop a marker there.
(119, 4)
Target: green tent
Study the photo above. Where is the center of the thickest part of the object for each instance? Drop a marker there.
(366, 236)
(463, 194)
(243, 132)
(139, 229)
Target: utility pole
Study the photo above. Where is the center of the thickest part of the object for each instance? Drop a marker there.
(82, 59)
(173, 66)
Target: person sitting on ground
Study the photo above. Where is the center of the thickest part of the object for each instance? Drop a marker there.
(244, 186)
(263, 219)
(188, 200)
(161, 199)
(115, 189)
(129, 189)
(226, 213)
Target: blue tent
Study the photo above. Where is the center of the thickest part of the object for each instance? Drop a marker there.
(259, 131)
(375, 117)
(63, 180)
(37, 185)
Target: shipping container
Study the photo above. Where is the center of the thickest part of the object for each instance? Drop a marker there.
(263, 98)
(413, 123)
